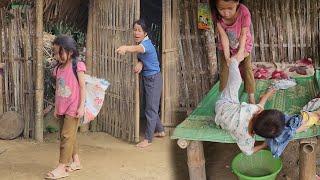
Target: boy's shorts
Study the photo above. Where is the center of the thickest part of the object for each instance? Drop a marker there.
(310, 118)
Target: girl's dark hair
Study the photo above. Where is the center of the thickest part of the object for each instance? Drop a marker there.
(269, 123)
(143, 24)
(214, 9)
(67, 44)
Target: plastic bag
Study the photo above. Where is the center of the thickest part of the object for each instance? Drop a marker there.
(95, 93)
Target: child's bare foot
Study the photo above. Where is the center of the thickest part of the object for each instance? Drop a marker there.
(143, 144)
(251, 99)
(160, 134)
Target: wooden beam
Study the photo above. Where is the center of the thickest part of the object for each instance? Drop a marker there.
(196, 161)
(307, 157)
(39, 72)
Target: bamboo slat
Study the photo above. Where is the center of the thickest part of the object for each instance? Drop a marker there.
(112, 26)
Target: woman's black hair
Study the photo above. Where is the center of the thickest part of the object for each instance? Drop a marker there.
(214, 9)
(66, 43)
(143, 24)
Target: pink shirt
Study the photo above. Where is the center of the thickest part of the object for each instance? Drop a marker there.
(67, 97)
(233, 31)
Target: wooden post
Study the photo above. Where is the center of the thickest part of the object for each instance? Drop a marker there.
(39, 72)
(170, 54)
(137, 91)
(1, 91)
(196, 161)
(1, 66)
(307, 159)
(212, 55)
(85, 127)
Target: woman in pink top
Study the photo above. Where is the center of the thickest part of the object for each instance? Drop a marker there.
(69, 103)
(233, 21)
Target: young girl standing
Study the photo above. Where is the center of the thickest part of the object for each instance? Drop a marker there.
(151, 78)
(235, 40)
(69, 103)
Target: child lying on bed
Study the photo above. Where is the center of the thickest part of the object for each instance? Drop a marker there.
(279, 128)
(236, 117)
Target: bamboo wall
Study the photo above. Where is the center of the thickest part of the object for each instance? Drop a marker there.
(197, 69)
(109, 27)
(17, 31)
(72, 12)
(285, 30)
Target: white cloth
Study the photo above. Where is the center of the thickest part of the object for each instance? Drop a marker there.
(312, 105)
(234, 116)
(284, 83)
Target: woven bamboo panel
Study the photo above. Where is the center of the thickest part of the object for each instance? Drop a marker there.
(74, 13)
(17, 30)
(285, 30)
(197, 70)
(111, 27)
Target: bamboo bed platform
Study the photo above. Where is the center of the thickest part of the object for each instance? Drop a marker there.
(199, 125)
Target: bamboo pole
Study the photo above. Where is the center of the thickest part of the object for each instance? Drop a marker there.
(85, 128)
(137, 90)
(39, 72)
(307, 157)
(1, 66)
(196, 161)
(1, 91)
(93, 124)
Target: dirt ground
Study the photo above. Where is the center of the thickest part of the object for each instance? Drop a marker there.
(103, 157)
(108, 158)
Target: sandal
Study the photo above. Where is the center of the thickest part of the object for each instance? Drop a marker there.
(73, 167)
(56, 174)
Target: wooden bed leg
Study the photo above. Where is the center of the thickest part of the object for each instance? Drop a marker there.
(307, 159)
(196, 161)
